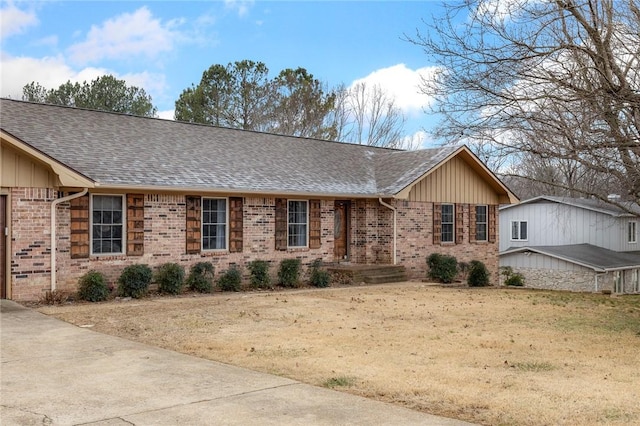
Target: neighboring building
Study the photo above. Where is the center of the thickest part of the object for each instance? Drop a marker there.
(572, 244)
(85, 190)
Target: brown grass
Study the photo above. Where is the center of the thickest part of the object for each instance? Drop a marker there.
(491, 356)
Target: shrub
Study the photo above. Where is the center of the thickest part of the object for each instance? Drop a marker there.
(170, 278)
(511, 278)
(200, 277)
(289, 273)
(55, 297)
(230, 280)
(259, 270)
(442, 267)
(134, 281)
(478, 274)
(92, 287)
(319, 277)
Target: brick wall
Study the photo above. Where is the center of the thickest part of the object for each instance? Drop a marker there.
(30, 242)
(371, 240)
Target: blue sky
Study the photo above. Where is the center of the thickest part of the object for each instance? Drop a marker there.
(164, 46)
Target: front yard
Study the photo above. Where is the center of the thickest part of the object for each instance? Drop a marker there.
(485, 355)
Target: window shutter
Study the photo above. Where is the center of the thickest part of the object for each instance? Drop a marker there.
(472, 223)
(193, 231)
(315, 224)
(493, 218)
(459, 223)
(135, 224)
(80, 227)
(235, 224)
(437, 223)
(281, 224)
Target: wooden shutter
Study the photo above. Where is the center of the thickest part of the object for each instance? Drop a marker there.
(235, 224)
(135, 224)
(193, 228)
(493, 219)
(281, 224)
(472, 223)
(437, 223)
(80, 227)
(315, 224)
(459, 224)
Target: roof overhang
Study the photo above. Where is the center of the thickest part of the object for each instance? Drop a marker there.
(595, 268)
(505, 196)
(67, 176)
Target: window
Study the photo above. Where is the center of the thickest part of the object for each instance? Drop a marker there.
(481, 223)
(618, 282)
(632, 232)
(107, 224)
(297, 223)
(519, 230)
(214, 224)
(447, 223)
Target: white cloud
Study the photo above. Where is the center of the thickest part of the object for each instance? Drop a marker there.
(401, 83)
(127, 35)
(51, 72)
(167, 115)
(15, 21)
(241, 6)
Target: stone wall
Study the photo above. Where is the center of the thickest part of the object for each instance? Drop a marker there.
(550, 279)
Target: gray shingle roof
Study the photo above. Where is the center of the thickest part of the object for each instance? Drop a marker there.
(116, 149)
(596, 258)
(584, 203)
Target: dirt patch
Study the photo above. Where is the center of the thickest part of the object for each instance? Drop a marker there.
(491, 356)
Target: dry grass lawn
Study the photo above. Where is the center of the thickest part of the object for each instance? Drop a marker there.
(491, 356)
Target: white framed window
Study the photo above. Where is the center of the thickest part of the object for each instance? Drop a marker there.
(481, 223)
(214, 223)
(448, 215)
(635, 281)
(107, 224)
(297, 223)
(519, 230)
(632, 232)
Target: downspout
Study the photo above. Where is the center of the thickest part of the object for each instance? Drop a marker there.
(54, 204)
(395, 238)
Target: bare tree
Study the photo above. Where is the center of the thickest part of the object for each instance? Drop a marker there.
(555, 82)
(367, 115)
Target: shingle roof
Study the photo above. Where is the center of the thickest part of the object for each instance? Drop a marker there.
(116, 149)
(584, 203)
(593, 257)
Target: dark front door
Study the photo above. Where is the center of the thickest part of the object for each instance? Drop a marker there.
(3, 246)
(341, 230)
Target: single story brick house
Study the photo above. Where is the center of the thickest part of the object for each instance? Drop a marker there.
(85, 190)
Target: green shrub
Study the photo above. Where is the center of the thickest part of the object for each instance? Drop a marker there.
(200, 277)
(319, 277)
(92, 287)
(289, 273)
(134, 281)
(442, 267)
(170, 278)
(259, 270)
(511, 278)
(478, 274)
(231, 280)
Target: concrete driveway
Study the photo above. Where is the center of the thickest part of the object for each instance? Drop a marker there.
(59, 374)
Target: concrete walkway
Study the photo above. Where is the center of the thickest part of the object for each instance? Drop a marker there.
(54, 373)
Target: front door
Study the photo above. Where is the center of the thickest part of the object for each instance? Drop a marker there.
(3, 246)
(341, 229)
